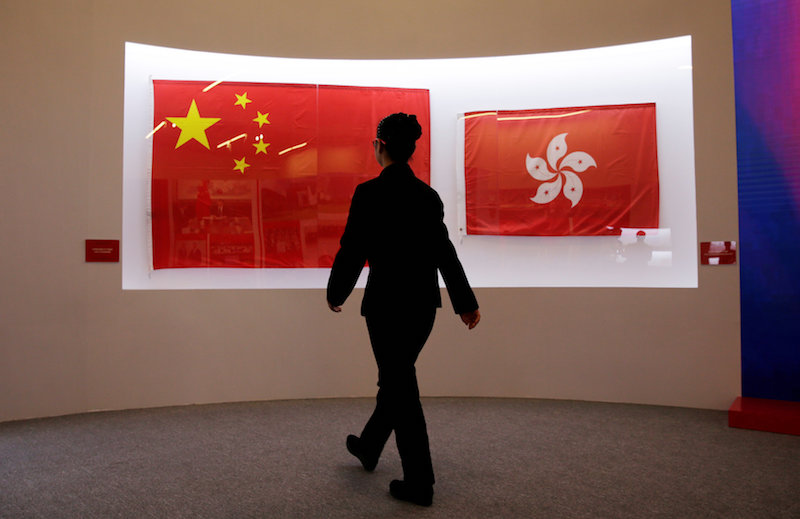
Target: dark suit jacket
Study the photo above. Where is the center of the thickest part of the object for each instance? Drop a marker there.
(396, 223)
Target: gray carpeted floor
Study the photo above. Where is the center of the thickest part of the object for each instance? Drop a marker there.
(493, 458)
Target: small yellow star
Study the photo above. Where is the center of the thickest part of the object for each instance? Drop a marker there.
(240, 165)
(261, 119)
(242, 100)
(192, 126)
(261, 147)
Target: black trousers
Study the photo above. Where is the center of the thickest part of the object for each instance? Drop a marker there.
(397, 340)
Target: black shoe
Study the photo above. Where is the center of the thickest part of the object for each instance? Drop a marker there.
(354, 448)
(421, 495)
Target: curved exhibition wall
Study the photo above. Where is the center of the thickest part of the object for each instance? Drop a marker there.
(73, 340)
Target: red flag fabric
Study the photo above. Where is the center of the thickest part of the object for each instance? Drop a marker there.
(577, 171)
(261, 174)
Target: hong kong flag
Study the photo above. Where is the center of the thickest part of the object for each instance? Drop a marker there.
(261, 174)
(561, 172)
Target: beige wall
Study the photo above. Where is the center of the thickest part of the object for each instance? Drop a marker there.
(71, 340)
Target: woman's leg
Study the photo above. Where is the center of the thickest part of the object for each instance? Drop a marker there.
(396, 347)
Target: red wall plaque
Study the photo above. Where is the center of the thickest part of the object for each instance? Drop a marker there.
(718, 253)
(102, 250)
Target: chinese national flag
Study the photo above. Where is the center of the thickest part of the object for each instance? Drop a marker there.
(561, 172)
(261, 174)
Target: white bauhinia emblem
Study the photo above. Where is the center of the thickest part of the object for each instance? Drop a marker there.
(563, 171)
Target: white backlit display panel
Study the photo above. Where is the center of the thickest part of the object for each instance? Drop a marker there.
(657, 72)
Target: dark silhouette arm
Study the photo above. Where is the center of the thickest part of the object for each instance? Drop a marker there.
(351, 257)
(461, 295)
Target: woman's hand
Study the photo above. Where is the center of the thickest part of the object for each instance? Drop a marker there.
(336, 309)
(471, 319)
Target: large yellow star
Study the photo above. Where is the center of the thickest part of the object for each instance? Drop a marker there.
(261, 119)
(261, 147)
(192, 126)
(242, 100)
(241, 164)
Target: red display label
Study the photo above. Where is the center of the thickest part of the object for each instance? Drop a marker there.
(102, 250)
(718, 253)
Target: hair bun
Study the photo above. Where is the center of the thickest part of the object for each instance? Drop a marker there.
(414, 127)
(400, 131)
